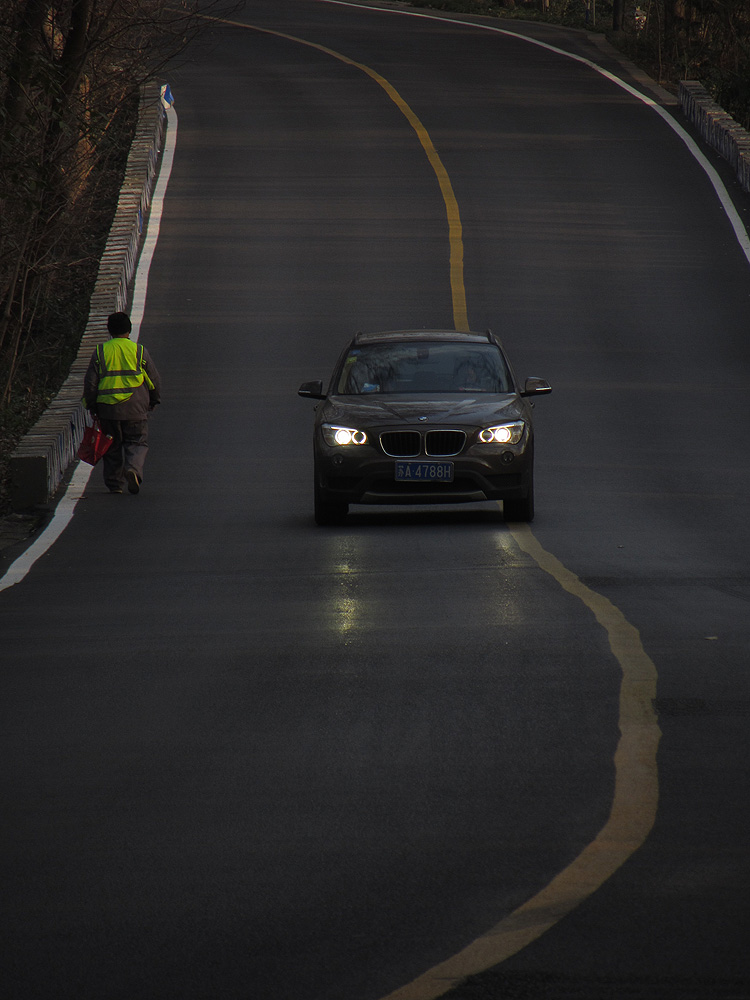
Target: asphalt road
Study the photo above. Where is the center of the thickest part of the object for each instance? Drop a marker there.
(246, 757)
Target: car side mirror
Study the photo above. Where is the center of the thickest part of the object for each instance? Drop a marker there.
(536, 387)
(312, 390)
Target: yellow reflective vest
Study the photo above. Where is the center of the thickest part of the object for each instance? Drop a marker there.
(120, 365)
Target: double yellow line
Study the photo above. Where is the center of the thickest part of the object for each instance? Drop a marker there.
(636, 778)
(455, 232)
(630, 820)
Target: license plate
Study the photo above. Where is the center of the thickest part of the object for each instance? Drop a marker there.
(424, 472)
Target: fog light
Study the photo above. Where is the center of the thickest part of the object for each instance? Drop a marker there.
(507, 457)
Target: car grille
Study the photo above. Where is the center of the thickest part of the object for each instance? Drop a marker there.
(401, 444)
(408, 444)
(444, 443)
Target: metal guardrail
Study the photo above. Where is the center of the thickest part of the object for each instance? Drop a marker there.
(44, 454)
(718, 128)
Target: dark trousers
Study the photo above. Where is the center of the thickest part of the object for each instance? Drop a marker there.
(128, 450)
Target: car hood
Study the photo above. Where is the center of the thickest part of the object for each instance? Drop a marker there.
(382, 410)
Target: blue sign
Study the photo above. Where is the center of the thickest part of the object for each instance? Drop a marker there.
(167, 99)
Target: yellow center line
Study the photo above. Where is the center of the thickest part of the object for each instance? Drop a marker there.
(636, 791)
(633, 808)
(455, 234)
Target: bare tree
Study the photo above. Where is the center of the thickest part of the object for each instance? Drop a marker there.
(70, 75)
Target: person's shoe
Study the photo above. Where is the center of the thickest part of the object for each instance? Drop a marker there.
(134, 483)
(115, 489)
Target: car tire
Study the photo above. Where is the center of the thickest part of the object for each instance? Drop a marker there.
(328, 511)
(521, 509)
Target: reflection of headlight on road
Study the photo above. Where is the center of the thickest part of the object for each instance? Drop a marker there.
(333, 435)
(502, 433)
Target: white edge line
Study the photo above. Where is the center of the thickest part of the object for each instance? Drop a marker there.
(732, 214)
(64, 510)
(154, 225)
(67, 504)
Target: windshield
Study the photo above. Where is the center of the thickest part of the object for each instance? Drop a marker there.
(423, 367)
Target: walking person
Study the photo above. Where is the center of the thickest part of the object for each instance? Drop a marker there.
(121, 387)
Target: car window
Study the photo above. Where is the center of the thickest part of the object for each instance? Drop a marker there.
(423, 367)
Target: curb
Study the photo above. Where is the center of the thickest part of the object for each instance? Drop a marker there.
(42, 457)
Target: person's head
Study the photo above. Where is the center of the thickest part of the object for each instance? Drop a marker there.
(119, 325)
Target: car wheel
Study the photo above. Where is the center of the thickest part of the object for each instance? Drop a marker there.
(522, 509)
(328, 511)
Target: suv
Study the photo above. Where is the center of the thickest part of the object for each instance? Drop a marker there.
(423, 417)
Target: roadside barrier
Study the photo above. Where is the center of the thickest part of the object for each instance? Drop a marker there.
(717, 128)
(44, 454)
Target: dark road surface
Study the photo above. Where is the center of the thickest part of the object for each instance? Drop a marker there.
(251, 759)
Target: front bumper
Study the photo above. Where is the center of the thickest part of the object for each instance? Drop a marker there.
(348, 477)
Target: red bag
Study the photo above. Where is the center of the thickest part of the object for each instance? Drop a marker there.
(94, 444)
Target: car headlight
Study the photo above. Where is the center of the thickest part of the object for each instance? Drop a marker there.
(502, 433)
(333, 435)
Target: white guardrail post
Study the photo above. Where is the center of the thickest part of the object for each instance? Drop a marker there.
(717, 128)
(44, 454)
